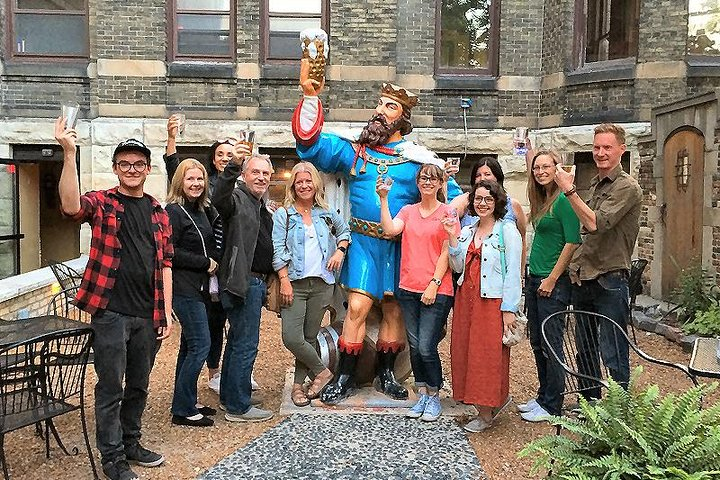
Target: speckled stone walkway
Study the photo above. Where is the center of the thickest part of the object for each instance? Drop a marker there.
(368, 447)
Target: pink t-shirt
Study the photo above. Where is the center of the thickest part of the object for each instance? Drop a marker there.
(422, 243)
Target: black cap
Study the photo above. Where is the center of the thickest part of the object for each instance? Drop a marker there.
(132, 145)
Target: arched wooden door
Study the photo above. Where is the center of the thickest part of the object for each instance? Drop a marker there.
(684, 162)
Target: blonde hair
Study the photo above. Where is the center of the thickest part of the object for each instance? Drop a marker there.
(308, 167)
(176, 193)
(616, 130)
(435, 172)
(540, 198)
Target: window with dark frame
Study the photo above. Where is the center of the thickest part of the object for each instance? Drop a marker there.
(203, 29)
(608, 29)
(48, 28)
(285, 19)
(703, 28)
(466, 36)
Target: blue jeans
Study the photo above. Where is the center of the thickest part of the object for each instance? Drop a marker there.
(551, 376)
(608, 295)
(125, 349)
(194, 348)
(242, 345)
(424, 325)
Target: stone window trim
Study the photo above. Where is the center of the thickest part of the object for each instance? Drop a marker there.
(13, 47)
(493, 47)
(185, 69)
(608, 70)
(174, 55)
(702, 66)
(265, 55)
(464, 83)
(580, 40)
(62, 68)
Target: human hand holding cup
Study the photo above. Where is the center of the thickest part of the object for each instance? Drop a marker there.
(520, 141)
(449, 221)
(383, 185)
(565, 176)
(69, 111)
(452, 166)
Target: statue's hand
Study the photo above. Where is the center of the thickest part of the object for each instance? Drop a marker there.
(309, 86)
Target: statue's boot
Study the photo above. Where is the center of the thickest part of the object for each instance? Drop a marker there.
(343, 383)
(387, 352)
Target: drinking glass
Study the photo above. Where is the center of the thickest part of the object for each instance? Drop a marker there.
(519, 141)
(180, 117)
(247, 137)
(69, 113)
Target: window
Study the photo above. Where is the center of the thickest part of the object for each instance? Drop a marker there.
(703, 27)
(611, 29)
(466, 36)
(204, 29)
(45, 28)
(285, 20)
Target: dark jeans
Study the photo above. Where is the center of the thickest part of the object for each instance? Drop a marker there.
(608, 295)
(124, 347)
(242, 345)
(424, 325)
(551, 376)
(216, 322)
(194, 348)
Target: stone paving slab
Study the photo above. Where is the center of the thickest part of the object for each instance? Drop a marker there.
(368, 447)
(368, 400)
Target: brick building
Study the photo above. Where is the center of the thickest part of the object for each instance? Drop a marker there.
(558, 67)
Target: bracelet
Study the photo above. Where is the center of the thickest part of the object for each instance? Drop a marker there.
(570, 192)
(282, 276)
(342, 249)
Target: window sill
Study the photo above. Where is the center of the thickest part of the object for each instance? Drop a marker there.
(703, 66)
(605, 71)
(201, 70)
(465, 82)
(46, 69)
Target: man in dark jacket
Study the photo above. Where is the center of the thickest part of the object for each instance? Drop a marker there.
(245, 265)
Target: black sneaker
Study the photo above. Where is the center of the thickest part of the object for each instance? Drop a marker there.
(139, 455)
(119, 470)
(203, 421)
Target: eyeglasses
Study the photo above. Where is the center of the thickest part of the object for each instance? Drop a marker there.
(486, 200)
(137, 166)
(428, 179)
(543, 168)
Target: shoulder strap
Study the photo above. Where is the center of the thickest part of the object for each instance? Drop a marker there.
(501, 247)
(202, 240)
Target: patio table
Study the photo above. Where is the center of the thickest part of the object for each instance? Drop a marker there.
(704, 361)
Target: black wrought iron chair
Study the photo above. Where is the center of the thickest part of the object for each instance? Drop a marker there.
(66, 276)
(61, 305)
(637, 268)
(41, 378)
(586, 372)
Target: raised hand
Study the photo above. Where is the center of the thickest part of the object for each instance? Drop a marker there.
(66, 138)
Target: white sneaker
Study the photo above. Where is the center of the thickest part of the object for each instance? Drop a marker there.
(253, 383)
(531, 405)
(214, 383)
(539, 414)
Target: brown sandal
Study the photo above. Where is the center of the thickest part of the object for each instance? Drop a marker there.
(298, 396)
(319, 383)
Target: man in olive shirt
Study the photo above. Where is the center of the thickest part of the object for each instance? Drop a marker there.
(600, 267)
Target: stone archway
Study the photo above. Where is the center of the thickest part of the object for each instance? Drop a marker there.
(682, 209)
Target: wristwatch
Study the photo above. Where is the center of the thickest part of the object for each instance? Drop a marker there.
(342, 249)
(570, 192)
(436, 281)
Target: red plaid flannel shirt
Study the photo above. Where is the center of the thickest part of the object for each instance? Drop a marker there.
(100, 209)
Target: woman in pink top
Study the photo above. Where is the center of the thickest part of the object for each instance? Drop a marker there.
(426, 292)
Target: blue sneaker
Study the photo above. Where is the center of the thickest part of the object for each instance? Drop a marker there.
(417, 410)
(432, 409)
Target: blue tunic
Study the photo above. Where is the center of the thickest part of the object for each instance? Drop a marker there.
(372, 265)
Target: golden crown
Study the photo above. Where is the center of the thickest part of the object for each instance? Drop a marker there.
(399, 94)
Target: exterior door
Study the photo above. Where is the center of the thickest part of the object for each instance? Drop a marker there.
(683, 182)
(9, 224)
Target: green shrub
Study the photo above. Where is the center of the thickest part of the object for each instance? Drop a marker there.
(696, 292)
(706, 324)
(634, 435)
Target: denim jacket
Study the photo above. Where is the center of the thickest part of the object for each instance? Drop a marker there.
(492, 284)
(288, 221)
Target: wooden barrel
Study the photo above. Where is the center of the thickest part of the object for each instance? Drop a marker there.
(365, 371)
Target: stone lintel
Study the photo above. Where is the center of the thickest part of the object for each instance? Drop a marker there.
(415, 82)
(359, 73)
(248, 71)
(652, 70)
(549, 121)
(108, 67)
(519, 83)
(552, 81)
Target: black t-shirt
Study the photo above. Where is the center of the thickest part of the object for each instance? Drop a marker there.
(262, 259)
(133, 293)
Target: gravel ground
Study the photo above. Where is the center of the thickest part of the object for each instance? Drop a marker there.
(190, 452)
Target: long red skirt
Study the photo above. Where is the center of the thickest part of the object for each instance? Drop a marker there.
(480, 362)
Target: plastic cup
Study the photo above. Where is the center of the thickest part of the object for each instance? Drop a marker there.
(180, 117)
(69, 113)
(520, 141)
(247, 137)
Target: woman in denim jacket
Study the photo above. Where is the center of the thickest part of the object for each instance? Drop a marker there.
(485, 303)
(309, 243)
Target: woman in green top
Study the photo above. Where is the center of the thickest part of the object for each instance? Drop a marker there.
(557, 235)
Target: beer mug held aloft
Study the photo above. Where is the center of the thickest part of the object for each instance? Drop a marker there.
(314, 44)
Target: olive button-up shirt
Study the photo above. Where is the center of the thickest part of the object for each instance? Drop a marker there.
(616, 201)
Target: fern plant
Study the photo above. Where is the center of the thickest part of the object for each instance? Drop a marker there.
(696, 292)
(634, 434)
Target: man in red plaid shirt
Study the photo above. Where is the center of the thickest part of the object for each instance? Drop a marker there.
(126, 287)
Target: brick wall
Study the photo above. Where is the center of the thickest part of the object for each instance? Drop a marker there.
(520, 37)
(363, 33)
(646, 180)
(557, 35)
(663, 30)
(31, 304)
(597, 102)
(128, 29)
(415, 37)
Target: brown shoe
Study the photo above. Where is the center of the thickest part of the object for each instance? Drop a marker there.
(298, 396)
(322, 379)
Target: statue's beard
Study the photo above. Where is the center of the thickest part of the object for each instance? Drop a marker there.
(377, 132)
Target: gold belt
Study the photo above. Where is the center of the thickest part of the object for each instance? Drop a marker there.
(371, 229)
